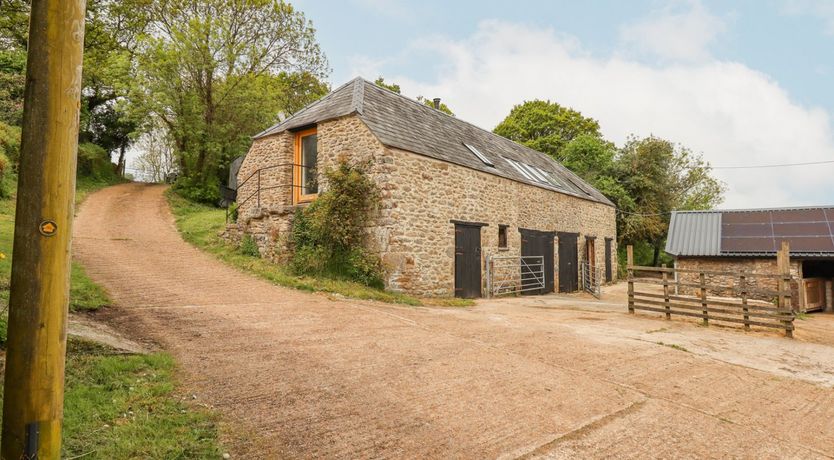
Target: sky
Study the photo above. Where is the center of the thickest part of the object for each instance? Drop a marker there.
(741, 83)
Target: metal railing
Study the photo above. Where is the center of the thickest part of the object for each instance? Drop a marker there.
(256, 176)
(591, 278)
(514, 274)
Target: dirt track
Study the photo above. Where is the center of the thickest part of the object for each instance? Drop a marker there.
(301, 375)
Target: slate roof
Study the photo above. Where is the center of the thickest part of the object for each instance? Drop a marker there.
(406, 124)
(752, 232)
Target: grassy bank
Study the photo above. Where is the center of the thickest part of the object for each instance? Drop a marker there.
(115, 405)
(200, 226)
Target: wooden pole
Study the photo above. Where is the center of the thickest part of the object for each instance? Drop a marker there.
(36, 346)
(743, 286)
(783, 265)
(666, 293)
(704, 308)
(630, 271)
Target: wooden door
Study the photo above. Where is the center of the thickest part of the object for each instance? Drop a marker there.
(467, 261)
(538, 243)
(608, 268)
(568, 262)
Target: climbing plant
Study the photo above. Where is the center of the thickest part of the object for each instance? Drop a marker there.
(329, 234)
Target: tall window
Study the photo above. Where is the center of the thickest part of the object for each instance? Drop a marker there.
(502, 237)
(304, 170)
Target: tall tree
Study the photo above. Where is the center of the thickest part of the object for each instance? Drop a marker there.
(660, 177)
(545, 126)
(211, 70)
(380, 81)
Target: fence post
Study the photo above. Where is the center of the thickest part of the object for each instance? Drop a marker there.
(666, 293)
(489, 276)
(783, 265)
(704, 308)
(743, 286)
(630, 271)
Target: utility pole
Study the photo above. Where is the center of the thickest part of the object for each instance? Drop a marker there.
(36, 346)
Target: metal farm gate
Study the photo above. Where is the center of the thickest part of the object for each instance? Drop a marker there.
(515, 275)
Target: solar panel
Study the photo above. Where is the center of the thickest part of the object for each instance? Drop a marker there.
(806, 230)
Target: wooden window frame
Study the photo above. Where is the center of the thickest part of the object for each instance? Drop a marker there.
(297, 169)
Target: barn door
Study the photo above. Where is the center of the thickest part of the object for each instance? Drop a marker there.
(568, 262)
(467, 261)
(608, 274)
(536, 243)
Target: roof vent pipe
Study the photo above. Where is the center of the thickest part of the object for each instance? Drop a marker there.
(436, 103)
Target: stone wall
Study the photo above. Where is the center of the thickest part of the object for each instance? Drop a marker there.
(411, 231)
(737, 265)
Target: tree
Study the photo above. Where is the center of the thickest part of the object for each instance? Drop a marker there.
(545, 126)
(659, 177)
(380, 81)
(12, 79)
(211, 70)
(157, 160)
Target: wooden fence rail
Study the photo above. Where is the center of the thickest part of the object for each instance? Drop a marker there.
(738, 309)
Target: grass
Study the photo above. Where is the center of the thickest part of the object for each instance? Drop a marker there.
(200, 225)
(115, 405)
(674, 346)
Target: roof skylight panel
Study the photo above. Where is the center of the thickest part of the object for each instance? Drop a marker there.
(480, 155)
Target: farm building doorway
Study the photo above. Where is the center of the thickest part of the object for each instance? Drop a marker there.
(535, 243)
(467, 260)
(568, 262)
(817, 279)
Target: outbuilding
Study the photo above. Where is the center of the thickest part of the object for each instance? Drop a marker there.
(452, 194)
(746, 240)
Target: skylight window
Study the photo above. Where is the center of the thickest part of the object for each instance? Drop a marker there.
(533, 173)
(480, 155)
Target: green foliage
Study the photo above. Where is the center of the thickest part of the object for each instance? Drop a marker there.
(202, 190)
(94, 162)
(200, 225)
(545, 126)
(423, 100)
(329, 235)
(215, 74)
(659, 177)
(249, 247)
(10, 142)
(12, 81)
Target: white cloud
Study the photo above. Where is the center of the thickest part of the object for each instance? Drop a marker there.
(734, 115)
(675, 35)
(821, 9)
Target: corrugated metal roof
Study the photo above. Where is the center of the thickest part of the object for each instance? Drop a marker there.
(752, 232)
(403, 123)
(694, 233)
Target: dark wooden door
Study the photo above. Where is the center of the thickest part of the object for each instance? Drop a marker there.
(467, 261)
(568, 262)
(537, 243)
(608, 275)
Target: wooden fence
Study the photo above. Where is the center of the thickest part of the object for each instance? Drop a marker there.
(661, 288)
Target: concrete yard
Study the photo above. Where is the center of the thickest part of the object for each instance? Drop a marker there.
(294, 374)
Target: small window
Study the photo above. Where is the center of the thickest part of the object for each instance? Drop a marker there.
(305, 179)
(480, 155)
(502, 237)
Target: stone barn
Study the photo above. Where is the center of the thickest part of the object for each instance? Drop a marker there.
(452, 194)
(747, 240)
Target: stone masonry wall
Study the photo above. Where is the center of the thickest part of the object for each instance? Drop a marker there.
(411, 231)
(425, 194)
(737, 265)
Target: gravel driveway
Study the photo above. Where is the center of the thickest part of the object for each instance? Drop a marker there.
(301, 375)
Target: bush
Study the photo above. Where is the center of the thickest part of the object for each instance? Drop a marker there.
(94, 162)
(205, 191)
(5, 173)
(329, 235)
(249, 247)
(10, 142)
